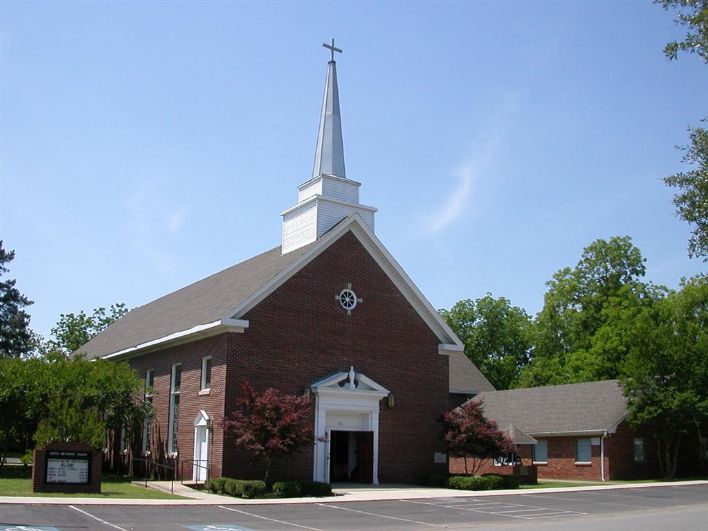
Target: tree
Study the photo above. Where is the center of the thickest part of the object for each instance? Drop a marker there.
(569, 328)
(691, 201)
(15, 334)
(74, 330)
(270, 424)
(693, 14)
(469, 434)
(66, 399)
(665, 375)
(497, 336)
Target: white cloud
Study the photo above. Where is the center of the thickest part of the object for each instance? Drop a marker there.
(456, 201)
(468, 173)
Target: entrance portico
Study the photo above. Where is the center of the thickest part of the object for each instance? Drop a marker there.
(347, 402)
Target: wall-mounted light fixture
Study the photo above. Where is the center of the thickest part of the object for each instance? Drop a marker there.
(390, 401)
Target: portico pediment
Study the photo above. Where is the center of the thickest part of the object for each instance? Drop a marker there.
(349, 383)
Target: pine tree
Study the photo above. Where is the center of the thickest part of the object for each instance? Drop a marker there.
(15, 334)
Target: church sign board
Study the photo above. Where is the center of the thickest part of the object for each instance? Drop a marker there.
(67, 467)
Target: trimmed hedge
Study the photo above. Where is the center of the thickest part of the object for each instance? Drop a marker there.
(241, 488)
(490, 482)
(295, 489)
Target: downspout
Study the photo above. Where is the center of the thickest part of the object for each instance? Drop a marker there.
(602, 456)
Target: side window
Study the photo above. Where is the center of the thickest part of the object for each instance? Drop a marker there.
(540, 451)
(639, 455)
(206, 373)
(583, 450)
(149, 384)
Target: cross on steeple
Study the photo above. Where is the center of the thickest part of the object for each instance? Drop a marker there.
(331, 48)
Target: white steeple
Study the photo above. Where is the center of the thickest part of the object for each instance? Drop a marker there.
(328, 197)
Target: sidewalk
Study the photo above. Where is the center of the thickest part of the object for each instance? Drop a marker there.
(344, 493)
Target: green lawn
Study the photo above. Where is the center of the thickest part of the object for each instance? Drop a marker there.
(17, 481)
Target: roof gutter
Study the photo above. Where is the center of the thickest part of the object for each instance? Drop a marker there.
(183, 336)
(600, 431)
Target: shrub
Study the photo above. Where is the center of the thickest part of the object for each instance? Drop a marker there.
(253, 488)
(287, 489)
(489, 482)
(215, 485)
(494, 482)
(292, 489)
(243, 488)
(27, 458)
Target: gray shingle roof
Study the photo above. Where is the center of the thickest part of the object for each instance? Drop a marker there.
(465, 378)
(558, 409)
(203, 302)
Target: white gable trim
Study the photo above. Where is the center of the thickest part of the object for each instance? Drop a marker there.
(183, 336)
(383, 258)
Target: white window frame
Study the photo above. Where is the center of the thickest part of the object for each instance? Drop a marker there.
(204, 388)
(147, 398)
(544, 443)
(642, 442)
(174, 393)
(578, 461)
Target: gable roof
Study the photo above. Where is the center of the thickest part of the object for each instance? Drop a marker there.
(589, 408)
(465, 378)
(221, 300)
(205, 301)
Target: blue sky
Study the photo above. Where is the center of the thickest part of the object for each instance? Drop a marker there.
(146, 145)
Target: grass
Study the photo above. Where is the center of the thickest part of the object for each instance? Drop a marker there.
(17, 481)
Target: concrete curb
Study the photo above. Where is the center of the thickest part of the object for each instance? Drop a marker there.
(342, 495)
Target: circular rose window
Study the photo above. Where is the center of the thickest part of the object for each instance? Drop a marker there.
(348, 300)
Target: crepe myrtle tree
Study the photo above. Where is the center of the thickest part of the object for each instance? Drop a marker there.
(270, 424)
(470, 435)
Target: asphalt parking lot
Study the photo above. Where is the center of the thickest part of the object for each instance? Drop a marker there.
(567, 509)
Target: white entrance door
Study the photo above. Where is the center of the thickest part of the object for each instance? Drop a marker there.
(201, 453)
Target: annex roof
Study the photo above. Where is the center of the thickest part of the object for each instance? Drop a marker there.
(465, 377)
(584, 408)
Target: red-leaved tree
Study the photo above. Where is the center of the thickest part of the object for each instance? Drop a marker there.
(470, 435)
(270, 424)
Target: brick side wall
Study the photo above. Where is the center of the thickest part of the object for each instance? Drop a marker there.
(190, 356)
(300, 334)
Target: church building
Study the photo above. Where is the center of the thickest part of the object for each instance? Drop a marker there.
(328, 313)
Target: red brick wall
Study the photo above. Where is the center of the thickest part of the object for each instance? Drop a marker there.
(190, 356)
(300, 334)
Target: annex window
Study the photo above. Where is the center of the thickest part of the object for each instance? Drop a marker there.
(206, 373)
(173, 424)
(540, 451)
(639, 454)
(147, 399)
(583, 450)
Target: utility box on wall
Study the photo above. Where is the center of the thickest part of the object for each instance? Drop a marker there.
(67, 467)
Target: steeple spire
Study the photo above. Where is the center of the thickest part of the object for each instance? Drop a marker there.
(329, 155)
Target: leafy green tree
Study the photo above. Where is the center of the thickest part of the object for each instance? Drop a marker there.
(570, 338)
(692, 14)
(497, 336)
(74, 330)
(665, 374)
(46, 399)
(15, 334)
(691, 200)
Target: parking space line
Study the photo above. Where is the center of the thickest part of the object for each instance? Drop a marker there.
(98, 519)
(269, 519)
(576, 500)
(379, 515)
(492, 510)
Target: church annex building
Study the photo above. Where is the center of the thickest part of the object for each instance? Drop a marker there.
(328, 313)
